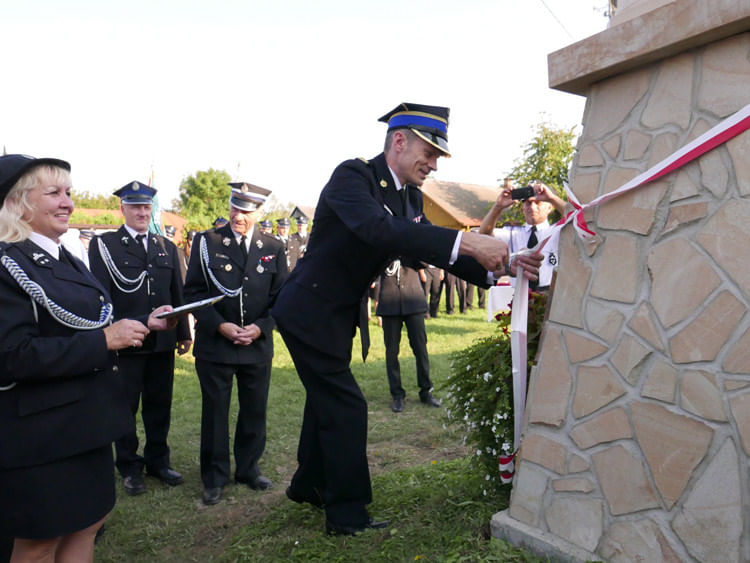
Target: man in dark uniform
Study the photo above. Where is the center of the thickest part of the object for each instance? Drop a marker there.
(297, 243)
(282, 234)
(141, 271)
(266, 227)
(234, 337)
(170, 232)
(368, 213)
(402, 302)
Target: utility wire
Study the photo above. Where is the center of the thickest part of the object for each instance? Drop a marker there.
(557, 20)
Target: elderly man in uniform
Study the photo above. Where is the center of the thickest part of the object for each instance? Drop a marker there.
(368, 213)
(234, 337)
(297, 242)
(536, 210)
(141, 271)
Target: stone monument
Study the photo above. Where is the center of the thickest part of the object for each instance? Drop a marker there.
(636, 444)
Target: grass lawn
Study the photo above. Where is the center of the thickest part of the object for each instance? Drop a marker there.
(421, 481)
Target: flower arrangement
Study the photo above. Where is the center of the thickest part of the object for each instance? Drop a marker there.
(480, 391)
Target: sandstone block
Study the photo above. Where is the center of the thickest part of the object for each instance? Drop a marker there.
(740, 407)
(661, 382)
(581, 348)
(608, 426)
(616, 275)
(628, 358)
(700, 395)
(673, 444)
(548, 396)
(596, 386)
(543, 451)
(669, 101)
(624, 481)
(725, 238)
(640, 540)
(578, 520)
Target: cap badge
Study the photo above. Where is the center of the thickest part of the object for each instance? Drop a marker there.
(40, 258)
(383, 184)
(228, 267)
(136, 187)
(226, 241)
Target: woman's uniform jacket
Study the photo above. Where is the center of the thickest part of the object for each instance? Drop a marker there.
(67, 398)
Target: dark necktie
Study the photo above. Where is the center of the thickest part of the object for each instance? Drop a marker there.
(243, 247)
(402, 193)
(140, 241)
(63, 256)
(531, 244)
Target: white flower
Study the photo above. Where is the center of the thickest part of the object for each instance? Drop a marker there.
(479, 452)
(487, 477)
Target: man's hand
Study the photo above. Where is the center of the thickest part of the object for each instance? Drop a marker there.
(422, 276)
(235, 334)
(125, 333)
(545, 193)
(504, 200)
(161, 324)
(488, 251)
(528, 264)
(183, 347)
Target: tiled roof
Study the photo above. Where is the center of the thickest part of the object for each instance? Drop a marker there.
(466, 203)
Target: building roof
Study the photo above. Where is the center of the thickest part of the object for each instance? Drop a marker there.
(300, 210)
(458, 205)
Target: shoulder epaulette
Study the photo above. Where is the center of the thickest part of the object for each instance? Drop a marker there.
(363, 160)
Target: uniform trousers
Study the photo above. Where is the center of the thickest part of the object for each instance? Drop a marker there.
(250, 432)
(470, 296)
(332, 453)
(454, 285)
(417, 340)
(432, 288)
(148, 379)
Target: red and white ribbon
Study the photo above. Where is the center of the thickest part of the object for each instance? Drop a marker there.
(727, 129)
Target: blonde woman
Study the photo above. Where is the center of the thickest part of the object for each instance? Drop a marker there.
(61, 404)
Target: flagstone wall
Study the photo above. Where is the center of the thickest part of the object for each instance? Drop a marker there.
(637, 438)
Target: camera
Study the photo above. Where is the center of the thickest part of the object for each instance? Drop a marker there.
(522, 193)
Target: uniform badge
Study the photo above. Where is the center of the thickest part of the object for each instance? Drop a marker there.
(552, 258)
(125, 240)
(226, 241)
(135, 186)
(154, 241)
(40, 258)
(259, 243)
(228, 267)
(259, 269)
(383, 184)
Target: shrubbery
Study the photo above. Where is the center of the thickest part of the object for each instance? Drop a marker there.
(480, 390)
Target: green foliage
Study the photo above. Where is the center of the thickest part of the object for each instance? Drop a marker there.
(204, 197)
(86, 200)
(546, 157)
(480, 391)
(101, 219)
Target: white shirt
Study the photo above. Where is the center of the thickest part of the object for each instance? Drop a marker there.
(517, 237)
(133, 234)
(47, 244)
(248, 238)
(457, 242)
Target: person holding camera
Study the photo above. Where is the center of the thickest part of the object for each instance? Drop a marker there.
(537, 202)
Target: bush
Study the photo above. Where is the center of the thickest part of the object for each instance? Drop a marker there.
(480, 391)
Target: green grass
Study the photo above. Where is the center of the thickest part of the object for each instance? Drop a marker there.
(421, 480)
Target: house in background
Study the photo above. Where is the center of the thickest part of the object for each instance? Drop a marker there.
(303, 211)
(456, 205)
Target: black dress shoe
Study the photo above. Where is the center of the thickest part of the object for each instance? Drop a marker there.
(313, 497)
(258, 483)
(134, 485)
(167, 475)
(333, 529)
(398, 404)
(430, 401)
(211, 495)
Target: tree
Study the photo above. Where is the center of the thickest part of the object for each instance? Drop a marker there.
(86, 200)
(204, 197)
(545, 158)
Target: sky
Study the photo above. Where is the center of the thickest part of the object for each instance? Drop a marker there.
(277, 92)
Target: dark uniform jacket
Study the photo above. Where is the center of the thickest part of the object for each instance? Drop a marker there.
(359, 227)
(296, 249)
(162, 286)
(401, 291)
(260, 278)
(68, 398)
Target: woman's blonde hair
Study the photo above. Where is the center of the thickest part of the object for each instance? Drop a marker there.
(17, 210)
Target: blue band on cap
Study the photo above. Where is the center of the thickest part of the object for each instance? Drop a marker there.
(409, 119)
